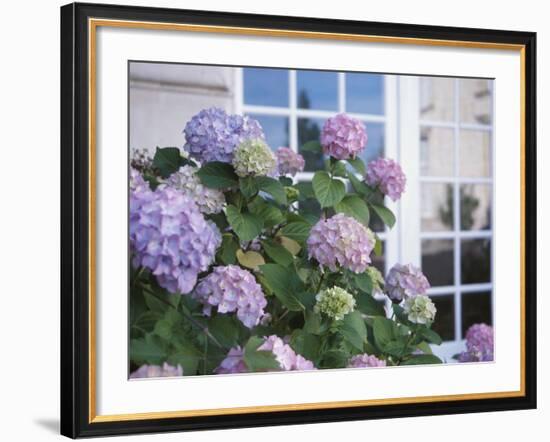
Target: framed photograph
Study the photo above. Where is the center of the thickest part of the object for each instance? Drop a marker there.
(275, 220)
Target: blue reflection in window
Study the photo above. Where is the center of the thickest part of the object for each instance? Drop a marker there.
(365, 93)
(375, 142)
(275, 129)
(265, 87)
(317, 90)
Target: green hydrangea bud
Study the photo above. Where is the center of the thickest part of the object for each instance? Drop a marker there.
(335, 303)
(254, 158)
(376, 277)
(292, 193)
(420, 309)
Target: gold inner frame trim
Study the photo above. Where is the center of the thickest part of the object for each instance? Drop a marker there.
(93, 24)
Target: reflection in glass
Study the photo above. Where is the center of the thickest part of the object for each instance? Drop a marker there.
(437, 99)
(309, 129)
(437, 152)
(475, 261)
(445, 317)
(375, 142)
(265, 87)
(475, 207)
(364, 93)
(476, 308)
(475, 153)
(436, 200)
(275, 129)
(317, 90)
(476, 101)
(438, 261)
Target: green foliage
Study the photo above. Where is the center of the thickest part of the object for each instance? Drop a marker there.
(168, 160)
(354, 206)
(328, 191)
(298, 231)
(284, 284)
(353, 330)
(246, 225)
(218, 175)
(272, 187)
(385, 214)
(277, 252)
(258, 360)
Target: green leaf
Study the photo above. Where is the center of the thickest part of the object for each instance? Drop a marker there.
(247, 226)
(167, 160)
(335, 359)
(385, 214)
(297, 231)
(163, 329)
(378, 246)
(147, 350)
(354, 330)
(339, 169)
(248, 187)
(358, 165)
(422, 359)
(305, 344)
(430, 335)
(328, 191)
(360, 187)
(284, 283)
(270, 215)
(306, 190)
(225, 329)
(369, 306)
(250, 259)
(218, 175)
(187, 356)
(277, 252)
(363, 282)
(227, 252)
(289, 244)
(153, 303)
(355, 207)
(311, 146)
(425, 347)
(272, 187)
(285, 181)
(259, 360)
(384, 331)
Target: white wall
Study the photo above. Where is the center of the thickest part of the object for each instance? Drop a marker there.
(29, 266)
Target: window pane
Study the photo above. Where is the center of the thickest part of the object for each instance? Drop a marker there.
(475, 261)
(380, 261)
(365, 93)
(475, 153)
(476, 308)
(310, 129)
(437, 212)
(437, 99)
(476, 101)
(375, 142)
(275, 129)
(265, 87)
(475, 206)
(437, 152)
(317, 90)
(444, 323)
(438, 261)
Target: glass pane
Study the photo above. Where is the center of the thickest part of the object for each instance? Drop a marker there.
(438, 261)
(275, 129)
(476, 101)
(375, 142)
(445, 317)
(265, 87)
(317, 90)
(436, 200)
(365, 93)
(476, 308)
(437, 152)
(475, 206)
(437, 99)
(475, 153)
(310, 129)
(475, 261)
(380, 261)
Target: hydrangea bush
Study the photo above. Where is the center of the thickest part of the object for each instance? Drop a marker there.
(232, 274)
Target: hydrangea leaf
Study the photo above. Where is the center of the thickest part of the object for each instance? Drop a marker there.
(272, 187)
(354, 330)
(359, 186)
(369, 306)
(250, 259)
(285, 181)
(328, 191)
(306, 190)
(218, 175)
(259, 360)
(225, 329)
(147, 350)
(385, 214)
(354, 206)
(422, 359)
(358, 165)
(248, 186)
(363, 282)
(247, 226)
(277, 252)
(378, 246)
(227, 253)
(430, 335)
(298, 231)
(306, 344)
(292, 246)
(167, 160)
(311, 146)
(283, 282)
(187, 356)
(384, 331)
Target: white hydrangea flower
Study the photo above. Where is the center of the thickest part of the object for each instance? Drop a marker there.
(334, 302)
(254, 158)
(208, 200)
(420, 309)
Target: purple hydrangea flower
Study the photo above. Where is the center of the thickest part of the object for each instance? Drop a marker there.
(231, 288)
(212, 135)
(387, 175)
(137, 182)
(289, 162)
(284, 354)
(343, 137)
(405, 281)
(341, 241)
(479, 344)
(365, 360)
(170, 237)
(157, 371)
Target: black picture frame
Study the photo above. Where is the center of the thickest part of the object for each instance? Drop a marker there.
(75, 220)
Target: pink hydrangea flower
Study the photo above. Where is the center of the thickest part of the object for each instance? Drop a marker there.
(157, 371)
(233, 362)
(341, 241)
(231, 288)
(343, 137)
(365, 360)
(479, 344)
(405, 281)
(388, 176)
(289, 162)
